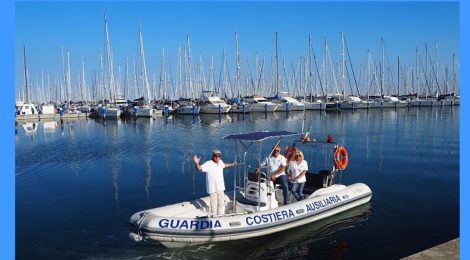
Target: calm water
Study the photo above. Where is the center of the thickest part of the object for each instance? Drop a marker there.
(78, 183)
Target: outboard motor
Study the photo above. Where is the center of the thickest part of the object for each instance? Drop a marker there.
(257, 192)
(262, 192)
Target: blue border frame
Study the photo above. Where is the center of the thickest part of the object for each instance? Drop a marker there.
(7, 179)
(7, 175)
(464, 216)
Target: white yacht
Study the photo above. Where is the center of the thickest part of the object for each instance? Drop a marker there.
(239, 105)
(287, 103)
(260, 104)
(26, 108)
(388, 102)
(354, 102)
(144, 111)
(110, 112)
(316, 105)
(210, 103)
(188, 108)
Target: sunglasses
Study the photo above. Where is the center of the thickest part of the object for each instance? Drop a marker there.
(216, 155)
(277, 151)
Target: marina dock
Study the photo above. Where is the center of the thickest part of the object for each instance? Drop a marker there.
(448, 250)
(37, 117)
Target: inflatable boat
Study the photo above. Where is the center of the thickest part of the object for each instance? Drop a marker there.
(254, 207)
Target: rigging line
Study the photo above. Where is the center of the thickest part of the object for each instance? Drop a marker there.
(251, 76)
(349, 80)
(318, 73)
(433, 72)
(352, 69)
(426, 82)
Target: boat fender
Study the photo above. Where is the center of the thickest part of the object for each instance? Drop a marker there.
(135, 237)
(341, 158)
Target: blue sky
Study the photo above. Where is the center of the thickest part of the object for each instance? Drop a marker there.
(43, 27)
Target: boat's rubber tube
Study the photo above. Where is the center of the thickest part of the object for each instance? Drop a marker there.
(175, 232)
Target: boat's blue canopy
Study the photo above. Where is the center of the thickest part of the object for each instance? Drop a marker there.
(259, 136)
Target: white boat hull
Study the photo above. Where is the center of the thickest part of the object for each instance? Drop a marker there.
(389, 104)
(145, 112)
(187, 223)
(245, 108)
(315, 106)
(213, 109)
(48, 110)
(111, 113)
(290, 107)
(332, 106)
(263, 107)
(446, 102)
(355, 105)
(423, 103)
(188, 110)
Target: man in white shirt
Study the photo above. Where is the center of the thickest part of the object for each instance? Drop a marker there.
(276, 167)
(214, 180)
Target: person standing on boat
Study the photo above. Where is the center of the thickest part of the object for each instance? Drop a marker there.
(297, 169)
(277, 166)
(214, 180)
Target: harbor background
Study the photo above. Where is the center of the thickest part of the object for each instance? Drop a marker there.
(77, 183)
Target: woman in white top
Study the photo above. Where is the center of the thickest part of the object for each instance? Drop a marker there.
(297, 170)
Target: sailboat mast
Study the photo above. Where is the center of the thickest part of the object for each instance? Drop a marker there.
(277, 67)
(109, 59)
(211, 73)
(324, 70)
(398, 76)
(101, 86)
(25, 76)
(436, 57)
(84, 90)
(145, 83)
(69, 84)
(416, 88)
(310, 66)
(343, 63)
(383, 68)
(426, 67)
(238, 64)
(453, 74)
(368, 73)
(189, 65)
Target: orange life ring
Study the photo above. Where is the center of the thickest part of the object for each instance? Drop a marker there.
(341, 158)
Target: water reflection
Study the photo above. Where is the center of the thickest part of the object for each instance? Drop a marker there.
(117, 167)
(30, 128)
(294, 243)
(188, 120)
(148, 179)
(50, 127)
(214, 120)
